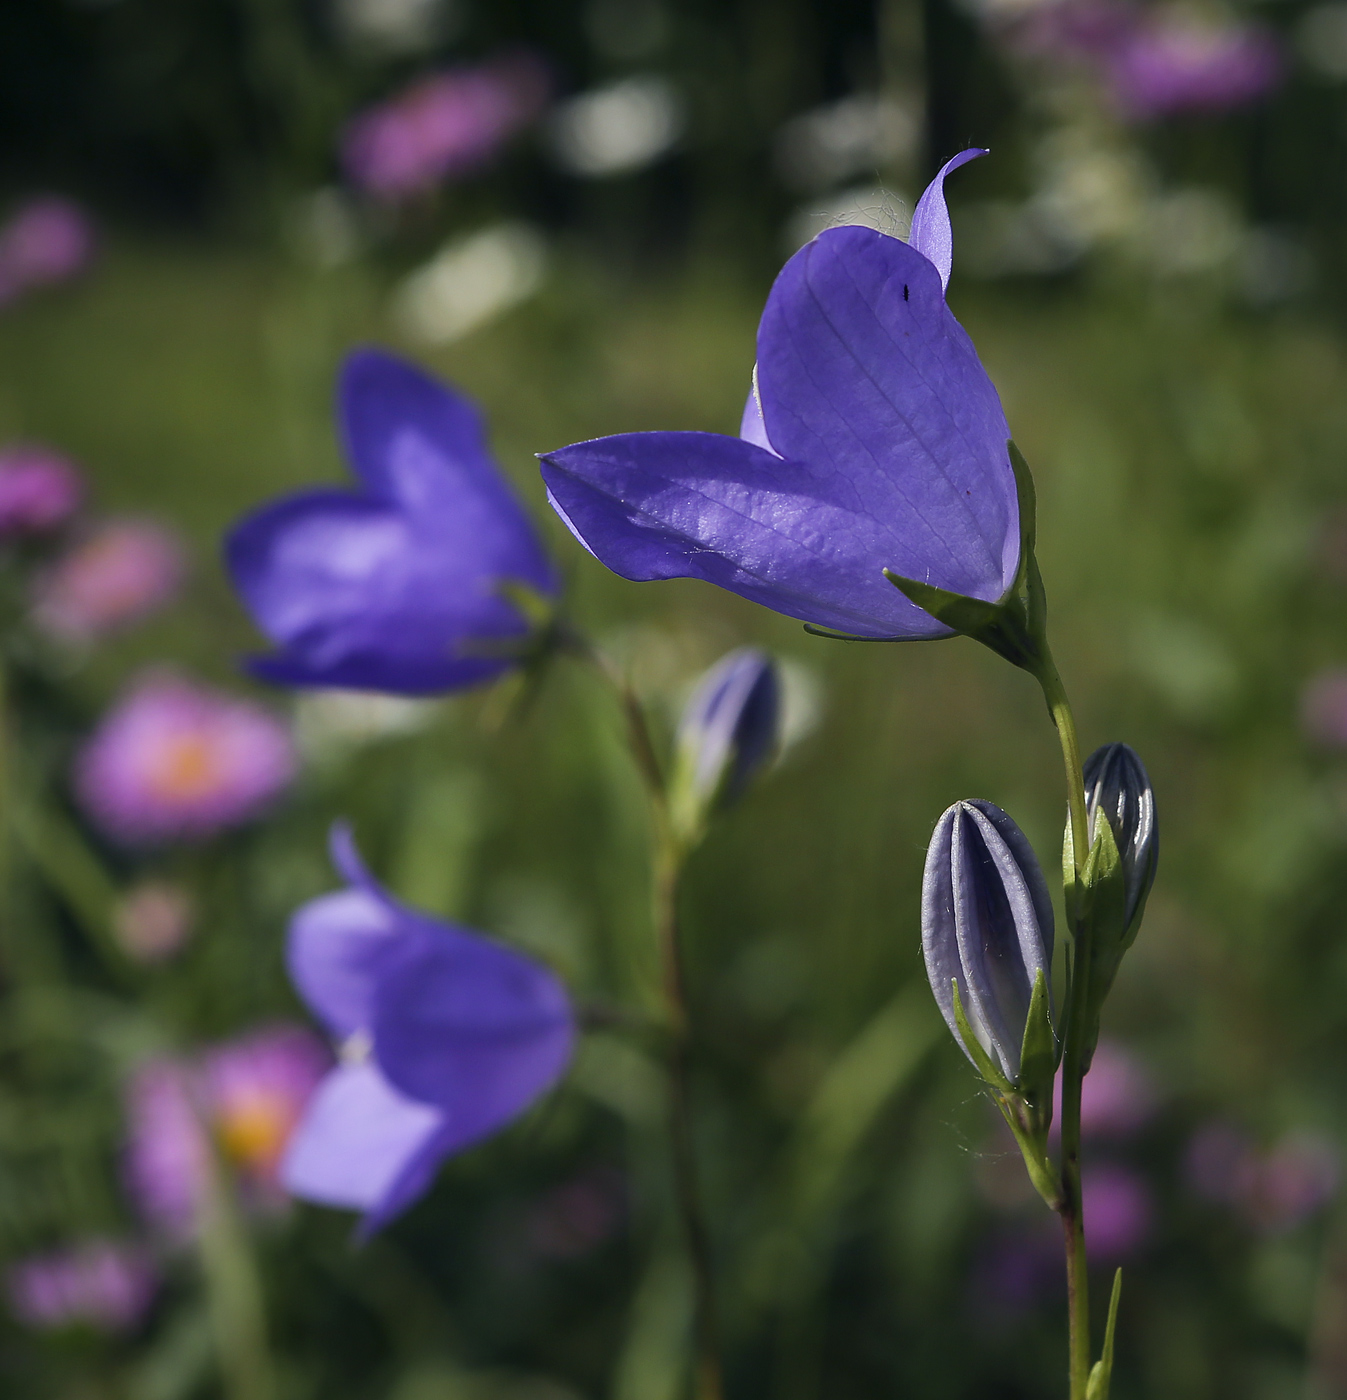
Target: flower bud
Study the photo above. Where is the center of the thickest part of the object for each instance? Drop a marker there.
(1117, 785)
(987, 927)
(729, 730)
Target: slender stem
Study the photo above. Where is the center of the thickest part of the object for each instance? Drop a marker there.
(1059, 707)
(233, 1289)
(667, 868)
(1073, 1058)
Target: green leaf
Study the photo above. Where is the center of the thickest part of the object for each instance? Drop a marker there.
(1038, 1051)
(986, 1067)
(1102, 1373)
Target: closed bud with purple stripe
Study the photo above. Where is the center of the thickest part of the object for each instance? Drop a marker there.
(1116, 784)
(987, 931)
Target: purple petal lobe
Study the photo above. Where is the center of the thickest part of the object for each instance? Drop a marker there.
(931, 234)
(332, 952)
(473, 1028)
(698, 505)
(865, 376)
(751, 427)
(358, 1141)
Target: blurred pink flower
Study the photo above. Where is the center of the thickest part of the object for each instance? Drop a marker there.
(1118, 1211)
(173, 759)
(1172, 63)
(1275, 1190)
(1070, 28)
(576, 1216)
(442, 126)
(1116, 1096)
(123, 571)
(246, 1095)
(1323, 708)
(152, 920)
(39, 489)
(47, 240)
(1014, 1273)
(105, 1284)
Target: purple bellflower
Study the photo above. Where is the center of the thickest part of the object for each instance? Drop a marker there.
(872, 439)
(401, 586)
(40, 489)
(987, 926)
(445, 1035)
(729, 729)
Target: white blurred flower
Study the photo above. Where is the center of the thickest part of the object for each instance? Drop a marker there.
(618, 129)
(394, 26)
(1321, 38)
(471, 281)
(844, 139)
(329, 724)
(868, 206)
(1190, 230)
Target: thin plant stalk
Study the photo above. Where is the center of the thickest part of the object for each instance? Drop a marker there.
(1073, 1067)
(667, 857)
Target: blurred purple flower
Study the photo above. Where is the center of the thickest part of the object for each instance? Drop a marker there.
(152, 920)
(121, 572)
(245, 1095)
(1071, 28)
(1117, 1096)
(1013, 1273)
(872, 439)
(39, 489)
(401, 586)
(47, 240)
(1275, 1190)
(445, 1037)
(176, 760)
(1323, 708)
(1118, 1211)
(105, 1284)
(442, 126)
(1173, 63)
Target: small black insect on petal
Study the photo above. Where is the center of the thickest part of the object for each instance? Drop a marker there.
(904, 291)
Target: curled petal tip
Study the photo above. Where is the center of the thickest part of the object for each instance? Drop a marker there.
(931, 234)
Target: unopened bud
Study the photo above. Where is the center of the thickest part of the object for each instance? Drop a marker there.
(729, 730)
(987, 930)
(1117, 785)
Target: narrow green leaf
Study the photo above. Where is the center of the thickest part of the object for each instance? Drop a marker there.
(986, 1067)
(1102, 1373)
(1038, 1051)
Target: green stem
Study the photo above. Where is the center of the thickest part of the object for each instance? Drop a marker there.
(233, 1289)
(1073, 1057)
(667, 867)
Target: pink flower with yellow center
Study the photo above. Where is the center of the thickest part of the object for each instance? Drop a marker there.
(122, 572)
(176, 760)
(240, 1099)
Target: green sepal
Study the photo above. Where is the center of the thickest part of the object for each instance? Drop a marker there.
(986, 1066)
(1039, 1055)
(1028, 1120)
(1103, 926)
(1101, 1374)
(1015, 626)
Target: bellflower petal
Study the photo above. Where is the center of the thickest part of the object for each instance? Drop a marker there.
(864, 374)
(931, 234)
(398, 587)
(873, 440)
(698, 505)
(987, 925)
(476, 1029)
(446, 1036)
(358, 1140)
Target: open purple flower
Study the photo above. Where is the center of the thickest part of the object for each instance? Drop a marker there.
(401, 586)
(446, 1037)
(873, 439)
